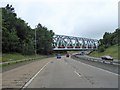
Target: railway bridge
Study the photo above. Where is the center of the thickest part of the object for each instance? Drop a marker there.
(63, 42)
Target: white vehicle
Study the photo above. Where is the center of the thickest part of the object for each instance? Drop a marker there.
(107, 58)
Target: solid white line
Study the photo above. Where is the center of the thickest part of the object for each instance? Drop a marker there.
(77, 73)
(99, 68)
(34, 76)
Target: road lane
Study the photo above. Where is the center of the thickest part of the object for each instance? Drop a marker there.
(68, 73)
(98, 77)
(18, 76)
(58, 74)
(108, 67)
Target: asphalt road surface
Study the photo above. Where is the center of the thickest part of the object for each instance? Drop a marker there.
(69, 73)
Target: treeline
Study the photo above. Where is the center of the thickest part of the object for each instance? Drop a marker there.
(109, 39)
(19, 37)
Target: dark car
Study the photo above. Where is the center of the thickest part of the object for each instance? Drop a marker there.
(58, 56)
(81, 53)
(67, 55)
(107, 58)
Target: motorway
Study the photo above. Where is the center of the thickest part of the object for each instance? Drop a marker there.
(69, 73)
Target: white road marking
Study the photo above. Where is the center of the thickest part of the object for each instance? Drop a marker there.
(34, 76)
(77, 73)
(99, 68)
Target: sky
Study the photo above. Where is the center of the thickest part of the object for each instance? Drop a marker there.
(79, 18)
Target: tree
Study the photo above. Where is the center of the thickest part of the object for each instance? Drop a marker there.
(44, 40)
(19, 37)
(109, 39)
(9, 41)
(16, 33)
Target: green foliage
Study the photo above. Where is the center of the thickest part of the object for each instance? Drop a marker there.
(9, 40)
(18, 37)
(101, 48)
(112, 51)
(44, 40)
(109, 39)
(109, 45)
(0, 18)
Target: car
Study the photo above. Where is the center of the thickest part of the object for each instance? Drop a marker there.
(67, 55)
(58, 56)
(107, 58)
(81, 53)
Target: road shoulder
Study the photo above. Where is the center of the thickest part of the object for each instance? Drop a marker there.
(17, 77)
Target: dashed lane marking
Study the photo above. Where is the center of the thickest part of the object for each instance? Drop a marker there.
(99, 68)
(77, 73)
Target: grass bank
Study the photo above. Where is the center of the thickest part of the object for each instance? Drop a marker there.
(16, 59)
(111, 51)
(17, 56)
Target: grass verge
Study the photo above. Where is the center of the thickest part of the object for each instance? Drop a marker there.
(16, 57)
(111, 51)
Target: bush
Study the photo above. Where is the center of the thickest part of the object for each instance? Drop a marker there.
(101, 49)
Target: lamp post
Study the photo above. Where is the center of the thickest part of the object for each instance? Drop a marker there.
(35, 42)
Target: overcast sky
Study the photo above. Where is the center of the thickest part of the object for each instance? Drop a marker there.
(81, 18)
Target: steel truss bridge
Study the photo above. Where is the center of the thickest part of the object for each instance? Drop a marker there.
(62, 42)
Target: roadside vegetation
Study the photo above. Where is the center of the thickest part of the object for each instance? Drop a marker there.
(19, 37)
(17, 56)
(19, 40)
(109, 45)
(111, 51)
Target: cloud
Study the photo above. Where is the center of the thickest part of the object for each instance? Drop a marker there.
(86, 18)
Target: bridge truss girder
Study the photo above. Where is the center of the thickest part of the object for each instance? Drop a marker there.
(62, 42)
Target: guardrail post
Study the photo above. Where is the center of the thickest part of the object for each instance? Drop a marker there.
(103, 61)
(111, 62)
